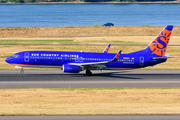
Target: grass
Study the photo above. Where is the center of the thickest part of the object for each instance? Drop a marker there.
(86, 101)
(34, 42)
(86, 31)
(114, 40)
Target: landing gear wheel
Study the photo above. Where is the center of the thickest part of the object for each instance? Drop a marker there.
(88, 73)
(22, 71)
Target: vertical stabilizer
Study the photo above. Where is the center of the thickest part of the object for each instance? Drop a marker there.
(159, 45)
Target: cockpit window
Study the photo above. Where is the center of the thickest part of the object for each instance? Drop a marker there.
(15, 56)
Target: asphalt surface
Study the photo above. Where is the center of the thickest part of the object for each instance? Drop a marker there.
(57, 79)
(94, 117)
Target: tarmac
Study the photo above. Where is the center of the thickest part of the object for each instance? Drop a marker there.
(109, 79)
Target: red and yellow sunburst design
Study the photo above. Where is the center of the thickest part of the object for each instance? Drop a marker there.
(160, 43)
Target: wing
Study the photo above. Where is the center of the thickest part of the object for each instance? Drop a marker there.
(107, 49)
(97, 64)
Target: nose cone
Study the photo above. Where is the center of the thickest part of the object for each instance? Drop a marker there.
(8, 59)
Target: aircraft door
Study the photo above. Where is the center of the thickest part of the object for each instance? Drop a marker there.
(79, 59)
(141, 61)
(26, 57)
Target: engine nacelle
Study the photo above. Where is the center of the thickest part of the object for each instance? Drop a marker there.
(71, 68)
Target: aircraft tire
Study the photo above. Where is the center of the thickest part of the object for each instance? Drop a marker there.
(22, 71)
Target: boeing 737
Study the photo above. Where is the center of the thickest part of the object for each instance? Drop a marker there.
(75, 62)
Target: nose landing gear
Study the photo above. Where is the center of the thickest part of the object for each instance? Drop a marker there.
(22, 71)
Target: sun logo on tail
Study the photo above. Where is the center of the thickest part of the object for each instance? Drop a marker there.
(160, 43)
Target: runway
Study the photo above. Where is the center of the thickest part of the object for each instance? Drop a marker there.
(57, 79)
(94, 117)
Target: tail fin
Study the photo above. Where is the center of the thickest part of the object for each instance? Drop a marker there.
(159, 45)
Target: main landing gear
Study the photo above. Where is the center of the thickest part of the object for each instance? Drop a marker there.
(88, 72)
(22, 71)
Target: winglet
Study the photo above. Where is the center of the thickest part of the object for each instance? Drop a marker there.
(116, 57)
(107, 49)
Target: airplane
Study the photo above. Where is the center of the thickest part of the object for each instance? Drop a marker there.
(75, 62)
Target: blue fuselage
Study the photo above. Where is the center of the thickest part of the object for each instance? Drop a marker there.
(58, 58)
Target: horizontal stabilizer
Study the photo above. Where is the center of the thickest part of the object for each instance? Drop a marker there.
(161, 58)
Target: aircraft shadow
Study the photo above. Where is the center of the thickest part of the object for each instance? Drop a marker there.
(110, 75)
(66, 76)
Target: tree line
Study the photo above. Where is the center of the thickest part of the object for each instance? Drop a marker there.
(27, 1)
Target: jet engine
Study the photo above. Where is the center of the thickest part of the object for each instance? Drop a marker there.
(71, 68)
